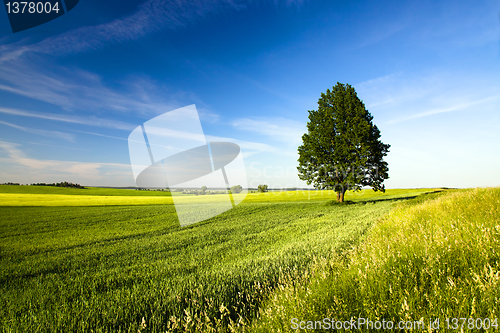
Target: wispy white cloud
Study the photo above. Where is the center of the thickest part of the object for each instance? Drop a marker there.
(53, 134)
(457, 107)
(91, 121)
(208, 116)
(104, 135)
(478, 27)
(247, 146)
(384, 31)
(397, 88)
(19, 166)
(151, 16)
(75, 89)
(402, 96)
(278, 129)
(57, 146)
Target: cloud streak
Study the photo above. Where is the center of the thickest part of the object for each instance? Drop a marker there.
(53, 134)
(401, 96)
(34, 170)
(248, 146)
(151, 16)
(279, 129)
(454, 108)
(57, 146)
(83, 90)
(91, 121)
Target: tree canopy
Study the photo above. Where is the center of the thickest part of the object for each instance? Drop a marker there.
(342, 149)
(262, 188)
(236, 189)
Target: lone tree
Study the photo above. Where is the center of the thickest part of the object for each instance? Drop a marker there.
(342, 149)
(262, 188)
(236, 189)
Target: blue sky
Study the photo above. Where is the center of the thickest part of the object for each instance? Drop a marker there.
(73, 89)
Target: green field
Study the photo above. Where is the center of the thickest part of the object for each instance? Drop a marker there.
(436, 259)
(71, 265)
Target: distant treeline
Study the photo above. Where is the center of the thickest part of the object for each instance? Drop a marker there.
(62, 184)
(9, 183)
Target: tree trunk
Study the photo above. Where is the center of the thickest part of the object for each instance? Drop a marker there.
(338, 196)
(341, 195)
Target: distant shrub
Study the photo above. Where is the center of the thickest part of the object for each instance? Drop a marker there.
(236, 189)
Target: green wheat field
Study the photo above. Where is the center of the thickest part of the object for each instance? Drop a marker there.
(110, 260)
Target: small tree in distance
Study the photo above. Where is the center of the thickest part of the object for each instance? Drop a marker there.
(236, 189)
(203, 190)
(342, 149)
(262, 188)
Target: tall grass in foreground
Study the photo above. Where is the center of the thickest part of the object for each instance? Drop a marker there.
(436, 259)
